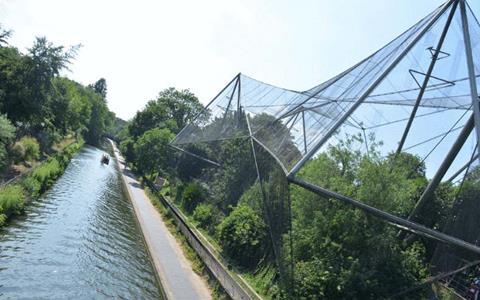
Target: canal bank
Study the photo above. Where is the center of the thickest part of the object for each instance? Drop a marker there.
(177, 277)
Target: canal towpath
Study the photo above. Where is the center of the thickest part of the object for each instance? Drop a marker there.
(176, 274)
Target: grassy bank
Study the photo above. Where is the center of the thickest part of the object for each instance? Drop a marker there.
(14, 196)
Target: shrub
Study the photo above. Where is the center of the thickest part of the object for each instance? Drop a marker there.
(47, 173)
(3, 218)
(67, 154)
(191, 197)
(205, 216)
(32, 186)
(17, 152)
(32, 148)
(12, 200)
(7, 134)
(242, 234)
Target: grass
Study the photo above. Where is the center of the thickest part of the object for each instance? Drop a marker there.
(12, 201)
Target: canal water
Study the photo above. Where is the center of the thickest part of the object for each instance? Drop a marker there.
(79, 240)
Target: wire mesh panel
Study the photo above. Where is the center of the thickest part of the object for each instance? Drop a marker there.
(395, 136)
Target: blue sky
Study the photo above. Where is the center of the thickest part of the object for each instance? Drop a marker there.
(142, 47)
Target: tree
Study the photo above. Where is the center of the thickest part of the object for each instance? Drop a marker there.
(7, 134)
(151, 151)
(100, 119)
(4, 35)
(100, 87)
(172, 109)
(353, 255)
(192, 195)
(242, 236)
(74, 104)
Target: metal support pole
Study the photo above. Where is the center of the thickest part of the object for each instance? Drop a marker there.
(231, 97)
(195, 155)
(471, 71)
(372, 87)
(304, 133)
(462, 168)
(341, 75)
(205, 108)
(432, 186)
(427, 76)
(239, 91)
(392, 219)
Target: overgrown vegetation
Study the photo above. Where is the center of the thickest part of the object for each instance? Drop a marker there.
(14, 196)
(12, 201)
(39, 108)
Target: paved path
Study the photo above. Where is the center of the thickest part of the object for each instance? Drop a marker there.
(175, 271)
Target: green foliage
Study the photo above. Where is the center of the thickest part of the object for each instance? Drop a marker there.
(237, 174)
(31, 148)
(26, 79)
(118, 130)
(12, 200)
(342, 252)
(46, 173)
(32, 186)
(17, 152)
(151, 151)
(192, 195)
(43, 105)
(7, 130)
(7, 133)
(172, 109)
(43, 176)
(100, 87)
(127, 146)
(242, 236)
(100, 119)
(206, 216)
(74, 103)
(3, 219)
(144, 140)
(13, 196)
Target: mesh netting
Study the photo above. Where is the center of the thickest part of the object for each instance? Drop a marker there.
(394, 136)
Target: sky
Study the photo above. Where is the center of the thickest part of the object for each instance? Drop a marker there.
(144, 46)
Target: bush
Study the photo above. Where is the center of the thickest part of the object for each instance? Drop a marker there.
(17, 152)
(7, 134)
(205, 216)
(32, 148)
(191, 197)
(47, 173)
(32, 186)
(67, 154)
(242, 235)
(12, 200)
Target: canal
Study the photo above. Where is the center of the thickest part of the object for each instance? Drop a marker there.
(79, 240)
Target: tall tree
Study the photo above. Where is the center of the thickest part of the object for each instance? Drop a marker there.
(100, 87)
(172, 109)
